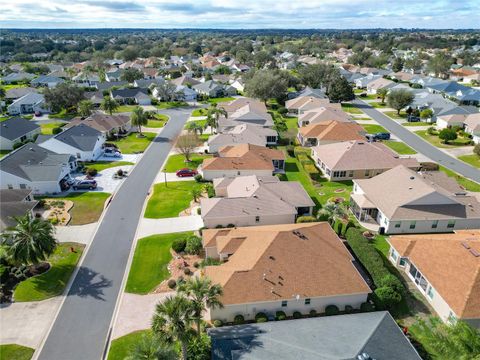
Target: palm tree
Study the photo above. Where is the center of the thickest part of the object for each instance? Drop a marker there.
(151, 347)
(195, 127)
(333, 212)
(172, 320)
(109, 105)
(213, 114)
(196, 193)
(30, 241)
(139, 118)
(201, 293)
(85, 108)
(382, 93)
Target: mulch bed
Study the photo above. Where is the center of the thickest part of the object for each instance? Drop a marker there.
(10, 282)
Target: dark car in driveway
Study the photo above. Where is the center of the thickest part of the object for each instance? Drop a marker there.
(85, 184)
(382, 136)
(186, 172)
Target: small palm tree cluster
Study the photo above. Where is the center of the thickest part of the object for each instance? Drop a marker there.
(213, 114)
(139, 118)
(333, 212)
(174, 318)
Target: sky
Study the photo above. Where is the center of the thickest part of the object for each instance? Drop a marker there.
(241, 14)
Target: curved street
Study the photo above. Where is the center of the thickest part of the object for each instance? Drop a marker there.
(419, 144)
(82, 326)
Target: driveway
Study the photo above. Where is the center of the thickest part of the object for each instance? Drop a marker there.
(130, 319)
(105, 181)
(133, 158)
(76, 233)
(419, 144)
(171, 177)
(83, 325)
(149, 227)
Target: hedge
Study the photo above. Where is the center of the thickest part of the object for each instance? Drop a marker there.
(261, 317)
(331, 310)
(238, 319)
(280, 315)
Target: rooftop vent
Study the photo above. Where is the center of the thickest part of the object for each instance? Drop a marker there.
(412, 177)
(475, 252)
(465, 245)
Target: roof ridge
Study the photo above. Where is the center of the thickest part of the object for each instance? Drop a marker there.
(469, 294)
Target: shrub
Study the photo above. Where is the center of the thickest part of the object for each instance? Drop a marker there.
(217, 323)
(92, 172)
(41, 203)
(305, 219)
(447, 135)
(193, 245)
(366, 307)
(180, 280)
(291, 150)
(476, 149)
(338, 227)
(230, 225)
(56, 130)
(209, 189)
(120, 172)
(313, 312)
(171, 284)
(348, 309)
(282, 110)
(297, 315)
(196, 265)
(261, 317)
(198, 178)
(431, 131)
(178, 245)
(331, 310)
(392, 282)
(187, 271)
(209, 262)
(280, 315)
(238, 319)
(386, 297)
(199, 211)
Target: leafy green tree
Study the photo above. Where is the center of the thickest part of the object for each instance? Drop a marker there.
(129, 54)
(201, 293)
(186, 144)
(476, 149)
(151, 347)
(399, 99)
(397, 64)
(426, 114)
(2, 92)
(266, 84)
(131, 74)
(63, 96)
(109, 105)
(447, 135)
(30, 241)
(261, 58)
(139, 118)
(414, 63)
(440, 64)
(213, 114)
(332, 212)
(314, 75)
(382, 94)
(339, 89)
(458, 341)
(172, 321)
(85, 108)
(223, 69)
(199, 348)
(196, 194)
(195, 127)
(166, 91)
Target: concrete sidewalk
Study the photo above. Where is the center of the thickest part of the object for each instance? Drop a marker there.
(149, 227)
(76, 233)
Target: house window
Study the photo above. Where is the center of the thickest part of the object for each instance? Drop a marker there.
(402, 262)
(413, 224)
(10, 186)
(430, 292)
(350, 173)
(398, 224)
(451, 224)
(23, 186)
(434, 224)
(284, 303)
(367, 172)
(338, 174)
(257, 219)
(79, 156)
(394, 255)
(307, 301)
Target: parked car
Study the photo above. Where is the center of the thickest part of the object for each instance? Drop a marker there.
(382, 136)
(38, 113)
(110, 146)
(64, 185)
(85, 184)
(186, 172)
(112, 152)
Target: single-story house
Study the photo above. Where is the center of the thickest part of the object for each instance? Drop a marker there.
(252, 200)
(106, 124)
(209, 88)
(373, 335)
(238, 84)
(148, 83)
(35, 168)
(242, 134)
(377, 84)
(304, 103)
(288, 267)
(131, 96)
(243, 159)
(357, 159)
(328, 132)
(46, 81)
(86, 79)
(96, 97)
(17, 77)
(401, 76)
(109, 85)
(322, 114)
(185, 81)
(17, 93)
(447, 121)
(472, 127)
(446, 270)
(362, 82)
(184, 93)
(27, 104)
(403, 201)
(244, 111)
(16, 130)
(13, 203)
(114, 75)
(308, 91)
(82, 141)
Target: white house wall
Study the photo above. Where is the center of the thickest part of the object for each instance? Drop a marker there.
(239, 221)
(212, 174)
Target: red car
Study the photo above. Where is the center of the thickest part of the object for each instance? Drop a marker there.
(186, 172)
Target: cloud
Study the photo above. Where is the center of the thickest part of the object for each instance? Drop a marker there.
(115, 5)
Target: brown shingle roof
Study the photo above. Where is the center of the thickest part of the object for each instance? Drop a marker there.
(451, 268)
(322, 114)
(101, 122)
(334, 130)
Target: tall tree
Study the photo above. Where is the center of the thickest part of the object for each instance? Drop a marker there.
(151, 347)
(397, 64)
(266, 84)
(139, 118)
(213, 114)
(382, 94)
(399, 99)
(131, 74)
(201, 293)
(172, 320)
(439, 64)
(109, 105)
(63, 96)
(339, 89)
(186, 144)
(30, 241)
(195, 127)
(85, 108)
(166, 91)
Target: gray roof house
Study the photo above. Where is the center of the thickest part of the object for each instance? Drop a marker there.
(16, 77)
(14, 202)
(113, 75)
(16, 93)
(138, 96)
(33, 167)
(372, 335)
(243, 134)
(110, 84)
(81, 141)
(27, 104)
(209, 88)
(15, 130)
(146, 83)
(46, 80)
(253, 200)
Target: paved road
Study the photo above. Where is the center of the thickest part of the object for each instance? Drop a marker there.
(82, 326)
(419, 144)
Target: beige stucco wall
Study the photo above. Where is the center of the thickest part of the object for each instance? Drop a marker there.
(212, 174)
(249, 220)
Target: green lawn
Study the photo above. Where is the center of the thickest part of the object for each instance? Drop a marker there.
(170, 104)
(394, 115)
(3, 118)
(15, 352)
(218, 100)
(418, 123)
(202, 123)
(62, 115)
(436, 141)
(4, 152)
(150, 260)
(377, 105)
(372, 129)
(177, 162)
(466, 183)
(473, 160)
(46, 129)
(51, 283)
(125, 108)
(7, 87)
(168, 201)
(351, 108)
(367, 97)
(132, 144)
(157, 122)
(102, 165)
(400, 147)
(87, 208)
(199, 112)
(119, 348)
(291, 121)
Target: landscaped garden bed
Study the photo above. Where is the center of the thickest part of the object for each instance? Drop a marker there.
(56, 210)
